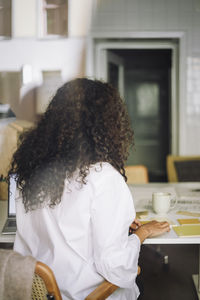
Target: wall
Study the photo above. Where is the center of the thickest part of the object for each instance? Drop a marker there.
(24, 22)
(144, 17)
(27, 48)
(26, 18)
(116, 17)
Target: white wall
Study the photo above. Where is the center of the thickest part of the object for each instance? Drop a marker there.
(160, 16)
(80, 17)
(59, 54)
(26, 18)
(66, 55)
(24, 23)
(27, 48)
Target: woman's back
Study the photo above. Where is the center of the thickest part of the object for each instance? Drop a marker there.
(72, 237)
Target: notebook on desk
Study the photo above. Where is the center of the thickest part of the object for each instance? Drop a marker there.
(10, 224)
(192, 230)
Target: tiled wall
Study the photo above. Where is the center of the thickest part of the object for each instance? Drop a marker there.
(164, 16)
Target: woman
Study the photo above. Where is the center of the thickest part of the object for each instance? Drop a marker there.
(74, 207)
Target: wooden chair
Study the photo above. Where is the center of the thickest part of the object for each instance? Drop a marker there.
(137, 174)
(183, 168)
(45, 286)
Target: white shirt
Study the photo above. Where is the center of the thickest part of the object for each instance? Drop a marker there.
(84, 239)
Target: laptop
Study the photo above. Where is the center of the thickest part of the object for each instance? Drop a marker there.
(10, 224)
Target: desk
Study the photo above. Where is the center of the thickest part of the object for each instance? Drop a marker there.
(142, 196)
(187, 199)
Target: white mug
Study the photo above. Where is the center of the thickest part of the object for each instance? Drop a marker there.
(161, 202)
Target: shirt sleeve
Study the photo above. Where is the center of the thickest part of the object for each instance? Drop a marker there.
(115, 253)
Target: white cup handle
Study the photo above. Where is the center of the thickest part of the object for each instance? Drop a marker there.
(172, 206)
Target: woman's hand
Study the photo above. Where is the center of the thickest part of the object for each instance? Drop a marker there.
(151, 229)
(135, 225)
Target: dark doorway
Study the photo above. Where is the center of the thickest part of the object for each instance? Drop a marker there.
(147, 93)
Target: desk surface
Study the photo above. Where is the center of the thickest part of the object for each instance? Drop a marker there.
(188, 196)
(142, 201)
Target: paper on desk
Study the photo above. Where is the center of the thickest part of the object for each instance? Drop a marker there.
(142, 214)
(189, 205)
(188, 193)
(143, 217)
(159, 219)
(188, 200)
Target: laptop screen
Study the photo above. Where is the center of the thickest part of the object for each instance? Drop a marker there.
(11, 196)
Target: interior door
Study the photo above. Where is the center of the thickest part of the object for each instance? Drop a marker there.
(144, 79)
(147, 98)
(115, 71)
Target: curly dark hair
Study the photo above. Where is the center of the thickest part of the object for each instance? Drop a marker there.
(86, 122)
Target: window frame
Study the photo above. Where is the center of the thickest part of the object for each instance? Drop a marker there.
(42, 23)
(6, 7)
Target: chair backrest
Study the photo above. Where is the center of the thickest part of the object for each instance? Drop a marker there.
(183, 168)
(44, 284)
(137, 174)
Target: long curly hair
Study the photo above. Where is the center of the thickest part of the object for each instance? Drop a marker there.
(86, 122)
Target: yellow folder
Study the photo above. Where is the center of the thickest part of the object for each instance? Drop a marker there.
(188, 221)
(141, 214)
(187, 230)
